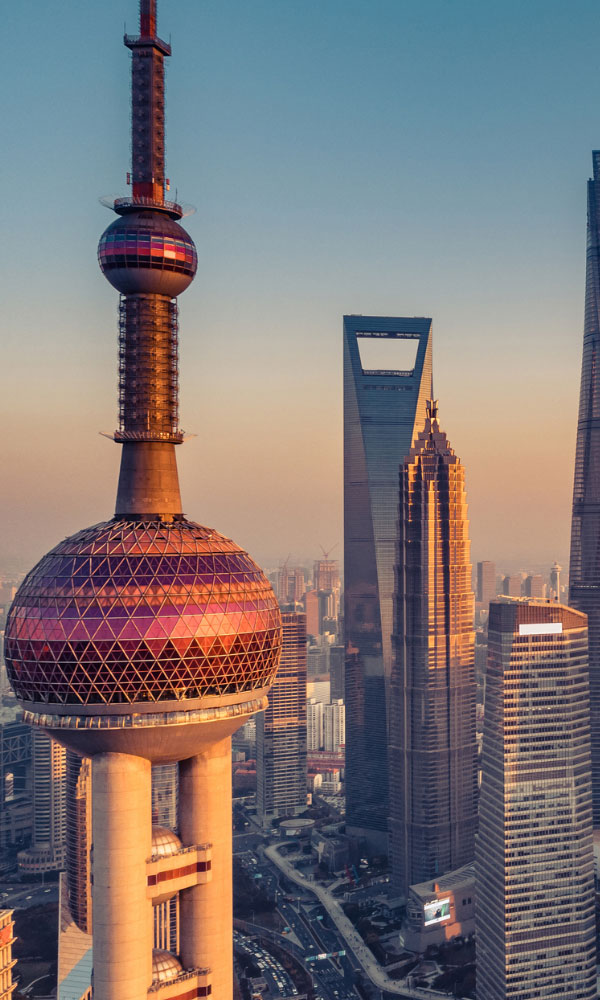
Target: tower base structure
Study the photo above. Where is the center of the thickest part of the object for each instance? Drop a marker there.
(128, 879)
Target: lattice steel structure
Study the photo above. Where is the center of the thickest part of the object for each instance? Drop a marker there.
(149, 639)
(433, 750)
(584, 576)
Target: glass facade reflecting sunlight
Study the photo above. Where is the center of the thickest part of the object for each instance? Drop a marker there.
(384, 409)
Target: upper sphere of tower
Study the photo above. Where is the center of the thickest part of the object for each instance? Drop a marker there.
(147, 252)
(133, 612)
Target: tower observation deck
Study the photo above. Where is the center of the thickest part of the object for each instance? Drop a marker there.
(148, 638)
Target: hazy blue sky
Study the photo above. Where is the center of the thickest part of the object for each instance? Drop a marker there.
(372, 156)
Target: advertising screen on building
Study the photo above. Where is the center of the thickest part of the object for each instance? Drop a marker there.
(436, 911)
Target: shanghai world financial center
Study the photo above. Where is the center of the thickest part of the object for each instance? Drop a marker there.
(385, 406)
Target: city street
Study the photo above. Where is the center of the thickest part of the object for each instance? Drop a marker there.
(348, 932)
(20, 896)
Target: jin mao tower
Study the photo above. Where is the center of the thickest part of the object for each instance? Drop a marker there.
(433, 751)
(148, 639)
(584, 582)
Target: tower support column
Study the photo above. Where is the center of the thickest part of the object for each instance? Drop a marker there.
(206, 911)
(122, 842)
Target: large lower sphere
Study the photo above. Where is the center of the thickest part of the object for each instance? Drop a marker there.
(133, 612)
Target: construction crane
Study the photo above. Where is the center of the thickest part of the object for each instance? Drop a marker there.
(327, 552)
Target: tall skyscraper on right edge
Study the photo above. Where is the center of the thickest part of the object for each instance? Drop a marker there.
(385, 396)
(536, 931)
(584, 581)
(433, 750)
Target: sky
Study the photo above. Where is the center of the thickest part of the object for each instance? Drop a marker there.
(393, 157)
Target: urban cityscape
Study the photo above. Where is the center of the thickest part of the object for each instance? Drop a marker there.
(361, 767)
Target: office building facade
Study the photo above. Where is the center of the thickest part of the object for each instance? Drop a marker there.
(584, 575)
(16, 812)
(281, 730)
(486, 581)
(337, 672)
(326, 574)
(334, 726)
(534, 586)
(385, 395)
(47, 850)
(535, 881)
(433, 750)
(314, 724)
(512, 585)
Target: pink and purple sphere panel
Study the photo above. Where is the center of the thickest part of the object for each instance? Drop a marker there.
(139, 248)
(129, 612)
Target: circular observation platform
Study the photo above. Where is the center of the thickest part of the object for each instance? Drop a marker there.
(143, 637)
(145, 252)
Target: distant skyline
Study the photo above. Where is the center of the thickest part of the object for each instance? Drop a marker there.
(377, 157)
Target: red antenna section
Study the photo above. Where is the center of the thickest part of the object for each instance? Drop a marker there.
(148, 18)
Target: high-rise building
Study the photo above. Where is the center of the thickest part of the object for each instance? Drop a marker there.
(385, 395)
(534, 586)
(7, 962)
(314, 724)
(148, 639)
(311, 606)
(433, 750)
(555, 571)
(326, 574)
(535, 880)
(47, 851)
(584, 575)
(291, 584)
(16, 812)
(281, 730)
(336, 673)
(79, 840)
(486, 581)
(334, 726)
(512, 585)
(299, 584)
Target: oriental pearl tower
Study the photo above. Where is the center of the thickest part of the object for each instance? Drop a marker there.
(148, 639)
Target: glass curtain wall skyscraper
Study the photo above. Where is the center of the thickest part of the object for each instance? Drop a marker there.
(281, 731)
(584, 583)
(535, 875)
(385, 396)
(433, 749)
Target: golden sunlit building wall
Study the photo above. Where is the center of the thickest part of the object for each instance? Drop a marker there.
(7, 962)
(433, 753)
